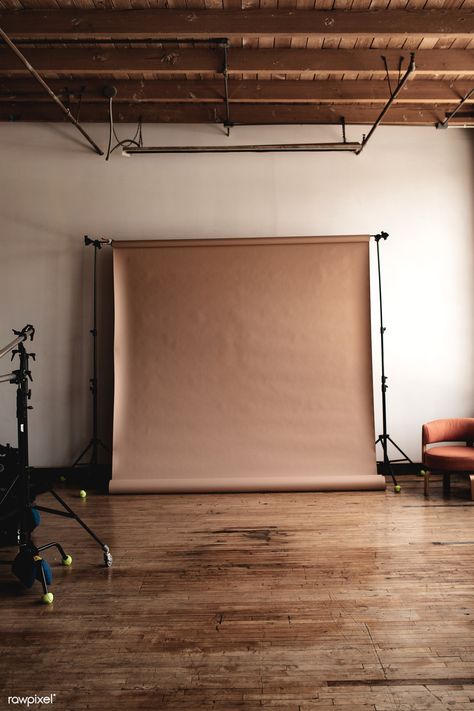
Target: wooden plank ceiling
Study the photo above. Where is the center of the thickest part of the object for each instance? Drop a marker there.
(288, 61)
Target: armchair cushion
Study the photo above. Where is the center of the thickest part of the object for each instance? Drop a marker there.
(450, 458)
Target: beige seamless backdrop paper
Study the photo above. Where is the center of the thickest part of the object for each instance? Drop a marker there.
(243, 365)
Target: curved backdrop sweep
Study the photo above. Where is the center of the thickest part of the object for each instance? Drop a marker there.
(243, 365)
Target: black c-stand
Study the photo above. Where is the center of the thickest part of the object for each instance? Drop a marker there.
(385, 438)
(95, 443)
(28, 564)
(23, 394)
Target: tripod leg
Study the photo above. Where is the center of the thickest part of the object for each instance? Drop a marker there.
(105, 548)
(65, 558)
(396, 486)
(387, 463)
(47, 596)
(53, 545)
(76, 461)
(104, 446)
(42, 577)
(400, 450)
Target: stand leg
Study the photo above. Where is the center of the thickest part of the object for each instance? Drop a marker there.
(72, 513)
(54, 545)
(93, 445)
(104, 447)
(400, 450)
(47, 596)
(76, 461)
(382, 439)
(42, 577)
(392, 474)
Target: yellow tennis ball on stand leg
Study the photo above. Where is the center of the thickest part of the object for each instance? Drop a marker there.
(83, 494)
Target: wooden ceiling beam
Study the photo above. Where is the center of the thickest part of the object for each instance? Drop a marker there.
(240, 114)
(99, 60)
(201, 24)
(199, 91)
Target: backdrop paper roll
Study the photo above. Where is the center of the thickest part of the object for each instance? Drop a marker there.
(243, 365)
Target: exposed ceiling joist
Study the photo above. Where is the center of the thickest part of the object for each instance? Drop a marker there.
(241, 113)
(202, 91)
(154, 60)
(201, 24)
(239, 65)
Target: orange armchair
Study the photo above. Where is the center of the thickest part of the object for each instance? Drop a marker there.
(448, 458)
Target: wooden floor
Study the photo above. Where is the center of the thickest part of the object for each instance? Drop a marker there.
(259, 601)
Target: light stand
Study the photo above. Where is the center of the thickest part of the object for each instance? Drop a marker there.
(28, 565)
(385, 438)
(95, 442)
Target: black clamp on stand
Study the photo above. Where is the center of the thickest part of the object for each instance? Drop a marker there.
(384, 439)
(28, 565)
(95, 443)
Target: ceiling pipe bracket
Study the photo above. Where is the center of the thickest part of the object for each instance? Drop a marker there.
(445, 123)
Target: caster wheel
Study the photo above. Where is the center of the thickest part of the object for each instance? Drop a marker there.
(47, 598)
(108, 560)
(421, 473)
(67, 561)
(397, 489)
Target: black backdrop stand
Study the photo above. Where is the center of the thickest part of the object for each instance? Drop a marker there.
(384, 439)
(95, 443)
(91, 467)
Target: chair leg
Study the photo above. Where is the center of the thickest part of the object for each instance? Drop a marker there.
(471, 480)
(446, 485)
(427, 482)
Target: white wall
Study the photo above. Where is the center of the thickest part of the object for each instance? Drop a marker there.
(415, 183)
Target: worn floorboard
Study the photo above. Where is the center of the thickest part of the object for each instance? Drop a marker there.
(287, 602)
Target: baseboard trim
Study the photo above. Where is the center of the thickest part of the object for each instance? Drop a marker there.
(399, 469)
